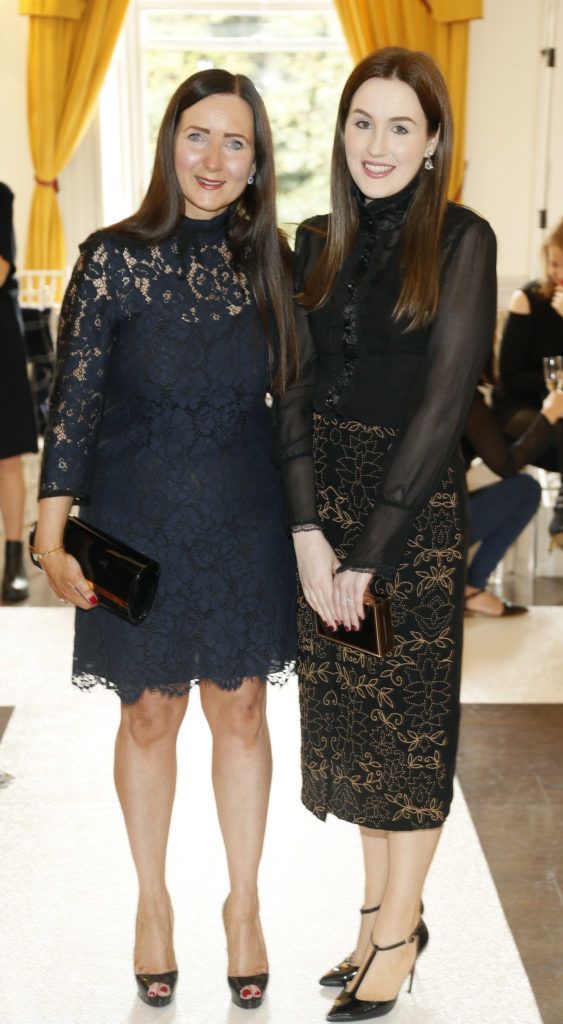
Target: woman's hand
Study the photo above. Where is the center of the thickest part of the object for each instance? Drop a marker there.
(317, 563)
(552, 406)
(62, 570)
(557, 301)
(67, 580)
(348, 589)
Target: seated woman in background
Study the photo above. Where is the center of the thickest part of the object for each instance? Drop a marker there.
(534, 329)
(498, 513)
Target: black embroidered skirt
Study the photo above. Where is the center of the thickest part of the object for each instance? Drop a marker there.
(379, 735)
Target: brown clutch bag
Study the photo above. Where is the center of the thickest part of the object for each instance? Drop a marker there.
(375, 635)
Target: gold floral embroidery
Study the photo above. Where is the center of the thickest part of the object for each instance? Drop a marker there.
(379, 735)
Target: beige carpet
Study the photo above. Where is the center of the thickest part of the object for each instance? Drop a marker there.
(516, 660)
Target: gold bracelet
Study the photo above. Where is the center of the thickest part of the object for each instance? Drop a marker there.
(43, 554)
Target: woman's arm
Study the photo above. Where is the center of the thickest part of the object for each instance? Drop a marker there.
(6, 233)
(62, 570)
(458, 344)
(516, 376)
(85, 338)
(489, 443)
(86, 333)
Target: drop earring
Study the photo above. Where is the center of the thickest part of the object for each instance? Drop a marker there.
(428, 165)
(251, 179)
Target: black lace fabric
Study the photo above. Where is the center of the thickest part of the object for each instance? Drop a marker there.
(420, 383)
(159, 428)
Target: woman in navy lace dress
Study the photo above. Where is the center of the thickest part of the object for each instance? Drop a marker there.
(175, 325)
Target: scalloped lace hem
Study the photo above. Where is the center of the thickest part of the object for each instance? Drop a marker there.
(277, 675)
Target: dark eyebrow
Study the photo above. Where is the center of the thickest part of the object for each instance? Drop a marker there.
(365, 113)
(226, 135)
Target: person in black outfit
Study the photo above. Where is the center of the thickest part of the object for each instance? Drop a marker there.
(499, 512)
(534, 329)
(401, 292)
(175, 325)
(17, 421)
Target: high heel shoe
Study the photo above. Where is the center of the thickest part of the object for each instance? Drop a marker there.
(346, 969)
(349, 1008)
(247, 990)
(166, 979)
(144, 982)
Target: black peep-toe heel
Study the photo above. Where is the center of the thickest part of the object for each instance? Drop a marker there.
(144, 982)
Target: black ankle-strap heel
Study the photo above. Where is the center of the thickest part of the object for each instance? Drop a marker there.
(346, 969)
(349, 1008)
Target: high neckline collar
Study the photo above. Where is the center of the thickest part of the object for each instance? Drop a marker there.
(205, 226)
(390, 208)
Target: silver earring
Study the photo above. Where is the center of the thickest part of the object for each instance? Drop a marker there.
(428, 165)
(251, 179)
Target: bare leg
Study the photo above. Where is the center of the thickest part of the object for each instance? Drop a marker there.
(12, 496)
(374, 849)
(242, 772)
(145, 779)
(410, 856)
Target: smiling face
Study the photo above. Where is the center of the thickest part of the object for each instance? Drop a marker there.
(214, 153)
(385, 137)
(555, 264)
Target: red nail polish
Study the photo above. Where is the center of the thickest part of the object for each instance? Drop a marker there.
(93, 599)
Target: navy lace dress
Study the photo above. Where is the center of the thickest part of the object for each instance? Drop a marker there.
(160, 431)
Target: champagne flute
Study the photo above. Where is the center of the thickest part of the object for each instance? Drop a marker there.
(553, 372)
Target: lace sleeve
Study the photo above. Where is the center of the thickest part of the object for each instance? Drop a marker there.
(458, 344)
(86, 329)
(294, 436)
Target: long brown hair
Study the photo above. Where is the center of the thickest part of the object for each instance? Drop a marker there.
(547, 287)
(420, 261)
(254, 239)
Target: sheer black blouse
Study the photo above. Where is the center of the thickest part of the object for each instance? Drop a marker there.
(362, 365)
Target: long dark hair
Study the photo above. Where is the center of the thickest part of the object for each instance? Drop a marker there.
(420, 261)
(255, 242)
(547, 287)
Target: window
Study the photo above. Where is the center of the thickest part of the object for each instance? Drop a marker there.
(293, 51)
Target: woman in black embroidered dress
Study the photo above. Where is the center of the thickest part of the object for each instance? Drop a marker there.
(175, 325)
(400, 288)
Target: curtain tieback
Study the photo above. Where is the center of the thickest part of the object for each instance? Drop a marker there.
(53, 183)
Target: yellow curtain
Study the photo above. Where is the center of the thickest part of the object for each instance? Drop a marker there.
(440, 27)
(69, 49)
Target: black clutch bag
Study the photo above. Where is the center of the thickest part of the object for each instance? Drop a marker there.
(375, 635)
(123, 580)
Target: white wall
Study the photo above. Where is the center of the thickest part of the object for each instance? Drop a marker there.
(16, 169)
(503, 114)
(505, 70)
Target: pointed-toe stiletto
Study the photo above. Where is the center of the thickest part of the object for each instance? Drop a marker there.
(346, 969)
(144, 982)
(349, 1008)
(248, 991)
